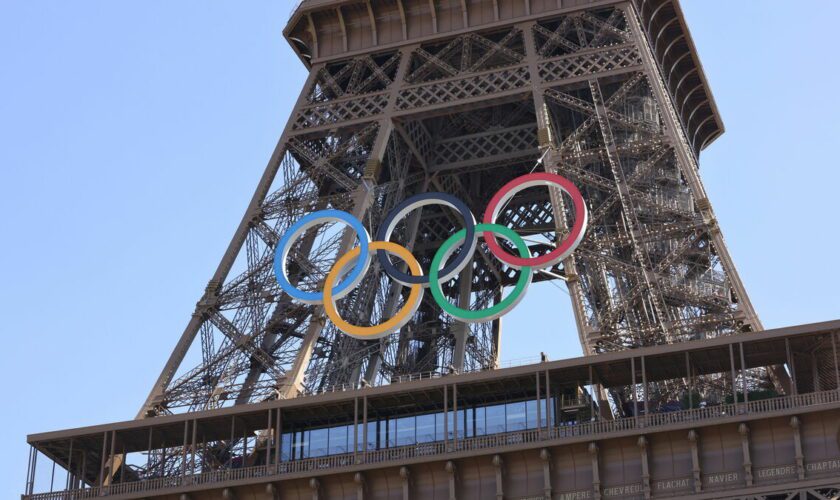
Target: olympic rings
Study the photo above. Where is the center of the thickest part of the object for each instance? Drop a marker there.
(505, 305)
(564, 248)
(399, 319)
(281, 255)
(343, 278)
(411, 204)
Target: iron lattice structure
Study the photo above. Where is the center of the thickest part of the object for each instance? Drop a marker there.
(593, 90)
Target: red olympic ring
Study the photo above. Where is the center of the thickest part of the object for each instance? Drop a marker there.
(564, 248)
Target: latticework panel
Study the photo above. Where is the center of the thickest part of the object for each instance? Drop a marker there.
(520, 141)
(601, 61)
(648, 271)
(335, 112)
(468, 53)
(579, 31)
(362, 75)
(455, 90)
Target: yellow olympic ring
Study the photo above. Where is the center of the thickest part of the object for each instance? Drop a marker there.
(399, 319)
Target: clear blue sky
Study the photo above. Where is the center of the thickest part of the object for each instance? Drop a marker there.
(132, 135)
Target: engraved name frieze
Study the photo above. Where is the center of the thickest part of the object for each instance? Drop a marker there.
(574, 495)
(779, 471)
(672, 484)
(823, 466)
(623, 491)
(722, 478)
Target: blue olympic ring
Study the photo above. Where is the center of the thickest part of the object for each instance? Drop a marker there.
(281, 255)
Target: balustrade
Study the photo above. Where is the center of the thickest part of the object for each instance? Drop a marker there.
(596, 429)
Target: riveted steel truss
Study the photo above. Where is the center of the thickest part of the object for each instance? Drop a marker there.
(582, 93)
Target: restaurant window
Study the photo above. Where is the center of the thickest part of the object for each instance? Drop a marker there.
(371, 436)
(425, 428)
(286, 449)
(406, 431)
(338, 440)
(516, 416)
(319, 442)
(495, 419)
(480, 422)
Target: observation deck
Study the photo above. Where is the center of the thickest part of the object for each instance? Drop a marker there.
(536, 431)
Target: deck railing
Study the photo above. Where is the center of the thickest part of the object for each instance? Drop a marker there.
(335, 462)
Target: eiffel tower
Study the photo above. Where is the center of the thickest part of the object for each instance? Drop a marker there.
(409, 96)
(263, 397)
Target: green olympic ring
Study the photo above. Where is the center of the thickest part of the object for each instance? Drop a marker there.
(506, 304)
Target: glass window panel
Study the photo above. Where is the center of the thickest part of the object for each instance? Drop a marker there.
(531, 411)
(352, 439)
(318, 442)
(425, 425)
(495, 419)
(406, 431)
(286, 447)
(387, 433)
(438, 426)
(338, 440)
(516, 416)
(480, 424)
(371, 436)
(303, 444)
(383, 434)
(460, 426)
(450, 425)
